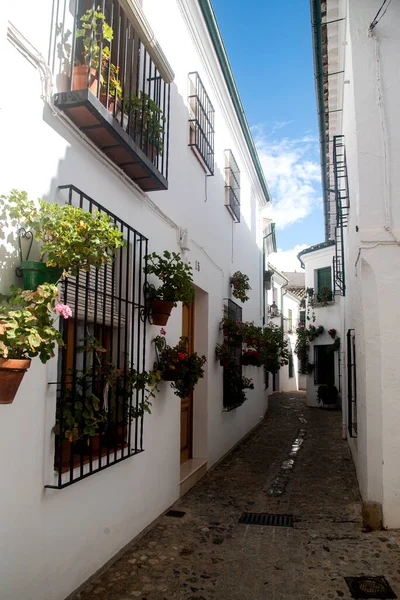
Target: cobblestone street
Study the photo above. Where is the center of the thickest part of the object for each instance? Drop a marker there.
(294, 463)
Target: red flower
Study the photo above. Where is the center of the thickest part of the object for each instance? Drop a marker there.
(162, 331)
(181, 356)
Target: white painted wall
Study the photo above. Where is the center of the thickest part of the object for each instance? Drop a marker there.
(55, 539)
(370, 123)
(328, 316)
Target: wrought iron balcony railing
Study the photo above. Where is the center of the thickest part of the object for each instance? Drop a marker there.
(110, 87)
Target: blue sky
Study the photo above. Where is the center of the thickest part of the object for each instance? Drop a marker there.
(270, 51)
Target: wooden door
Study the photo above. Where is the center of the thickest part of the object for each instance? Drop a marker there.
(187, 403)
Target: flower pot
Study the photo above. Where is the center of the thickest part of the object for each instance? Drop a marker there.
(36, 273)
(67, 450)
(255, 361)
(244, 360)
(170, 375)
(111, 104)
(80, 81)
(95, 443)
(117, 433)
(161, 310)
(11, 373)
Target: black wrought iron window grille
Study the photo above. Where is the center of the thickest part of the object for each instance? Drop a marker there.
(342, 202)
(232, 375)
(351, 384)
(109, 86)
(232, 186)
(201, 123)
(99, 415)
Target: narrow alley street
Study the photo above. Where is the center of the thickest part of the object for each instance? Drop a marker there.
(294, 463)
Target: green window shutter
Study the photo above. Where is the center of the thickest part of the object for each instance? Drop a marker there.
(290, 320)
(302, 316)
(324, 278)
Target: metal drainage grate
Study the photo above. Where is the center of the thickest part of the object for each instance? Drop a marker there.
(175, 513)
(265, 519)
(369, 587)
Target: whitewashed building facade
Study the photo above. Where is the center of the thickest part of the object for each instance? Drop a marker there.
(201, 195)
(356, 55)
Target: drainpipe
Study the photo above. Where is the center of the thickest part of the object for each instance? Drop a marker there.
(272, 232)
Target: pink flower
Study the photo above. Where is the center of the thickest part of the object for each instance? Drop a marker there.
(64, 310)
(162, 331)
(181, 356)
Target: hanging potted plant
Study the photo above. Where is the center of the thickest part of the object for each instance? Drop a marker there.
(95, 31)
(332, 332)
(27, 330)
(176, 284)
(224, 353)
(71, 238)
(251, 357)
(240, 283)
(233, 331)
(176, 364)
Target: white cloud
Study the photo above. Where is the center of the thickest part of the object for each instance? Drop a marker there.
(286, 260)
(292, 174)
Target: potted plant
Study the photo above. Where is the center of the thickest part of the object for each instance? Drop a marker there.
(233, 331)
(240, 283)
(224, 353)
(251, 357)
(95, 31)
(176, 284)
(176, 364)
(147, 123)
(327, 394)
(246, 383)
(71, 238)
(332, 332)
(27, 330)
(324, 296)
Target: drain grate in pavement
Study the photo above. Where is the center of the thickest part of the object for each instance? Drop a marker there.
(265, 519)
(175, 513)
(369, 587)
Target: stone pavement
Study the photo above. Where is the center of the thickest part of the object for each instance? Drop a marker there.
(294, 463)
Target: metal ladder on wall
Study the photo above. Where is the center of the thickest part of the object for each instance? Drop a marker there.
(342, 200)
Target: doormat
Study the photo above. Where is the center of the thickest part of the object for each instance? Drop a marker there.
(369, 587)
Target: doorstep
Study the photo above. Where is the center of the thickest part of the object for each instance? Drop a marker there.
(191, 472)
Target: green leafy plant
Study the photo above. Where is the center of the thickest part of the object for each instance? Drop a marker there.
(70, 237)
(224, 352)
(304, 337)
(175, 275)
(233, 331)
(327, 394)
(146, 119)
(94, 32)
(27, 323)
(324, 296)
(240, 283)
(188, 366)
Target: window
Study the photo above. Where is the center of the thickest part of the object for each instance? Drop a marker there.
(233, 373)
(351, 383)
(324, 284)
(303, 317)
(290, 320)
(103, 342)
(232, 186)
(201, 122)
(110, 87)
(324, 365)
(291, 370)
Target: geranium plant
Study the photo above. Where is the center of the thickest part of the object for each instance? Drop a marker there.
(175, 275)
(224, 353)
(27, 323)
(176, 364)
(240, 283)
(70, 237)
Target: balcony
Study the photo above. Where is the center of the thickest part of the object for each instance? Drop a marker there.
(110, 87)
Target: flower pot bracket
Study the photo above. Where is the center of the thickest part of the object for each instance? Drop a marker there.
(24, 246)
(148, 292)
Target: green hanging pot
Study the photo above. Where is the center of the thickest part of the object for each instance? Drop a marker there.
(36, 273)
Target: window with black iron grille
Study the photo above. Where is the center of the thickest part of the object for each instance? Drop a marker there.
(351, 384)
(291, 370)
(99, 415)
(201, 123)
(110, 87)
(232, 186)
(233, 373)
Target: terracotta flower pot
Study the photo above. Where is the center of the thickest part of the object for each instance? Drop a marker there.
(80, 80)
(11, 374)
(161, 310)
(95, 444)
